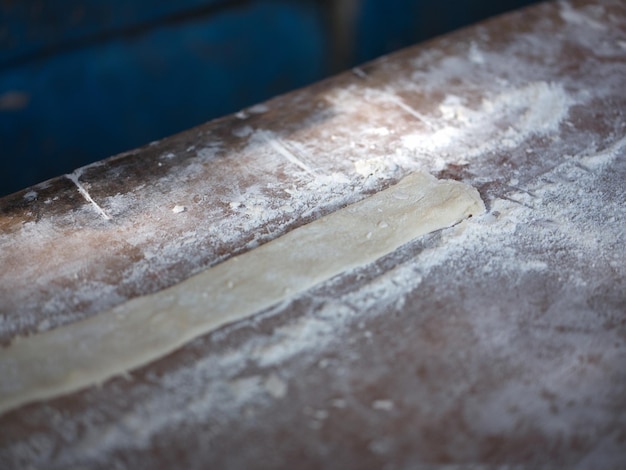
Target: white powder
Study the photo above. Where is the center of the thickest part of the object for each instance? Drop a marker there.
(534, 109)
(558, 203)
(579, 18)
(197, 389)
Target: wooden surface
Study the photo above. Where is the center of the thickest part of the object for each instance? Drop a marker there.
(501, 340)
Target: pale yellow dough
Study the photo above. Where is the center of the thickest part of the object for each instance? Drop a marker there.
(144, 329)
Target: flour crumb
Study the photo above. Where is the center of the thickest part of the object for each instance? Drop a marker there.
(244, 131)
(475, 55)
(259, 109)
(275, 386)
(383, 405)
(375, 167)
(338, 403)
(30, 196)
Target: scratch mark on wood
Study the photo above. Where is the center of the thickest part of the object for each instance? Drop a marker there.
(359, 72)
(282, 149)
(405, 107)
(517, 202)
(74, 177)
(522, 190)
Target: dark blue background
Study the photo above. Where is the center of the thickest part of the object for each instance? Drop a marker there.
(84, 79)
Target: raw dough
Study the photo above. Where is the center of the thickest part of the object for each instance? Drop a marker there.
(146, 328)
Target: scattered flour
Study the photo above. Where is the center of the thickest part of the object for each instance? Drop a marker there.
(475, 54)
(219, 383)
(579, 18)
(30, 195)
(385, 138)
(534, 109)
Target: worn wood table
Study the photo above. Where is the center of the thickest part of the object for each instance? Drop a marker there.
(499, 340)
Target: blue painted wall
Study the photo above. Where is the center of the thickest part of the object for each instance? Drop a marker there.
(84, 79)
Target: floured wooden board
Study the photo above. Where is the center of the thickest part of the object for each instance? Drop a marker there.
(88, 352)
(499, 340)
